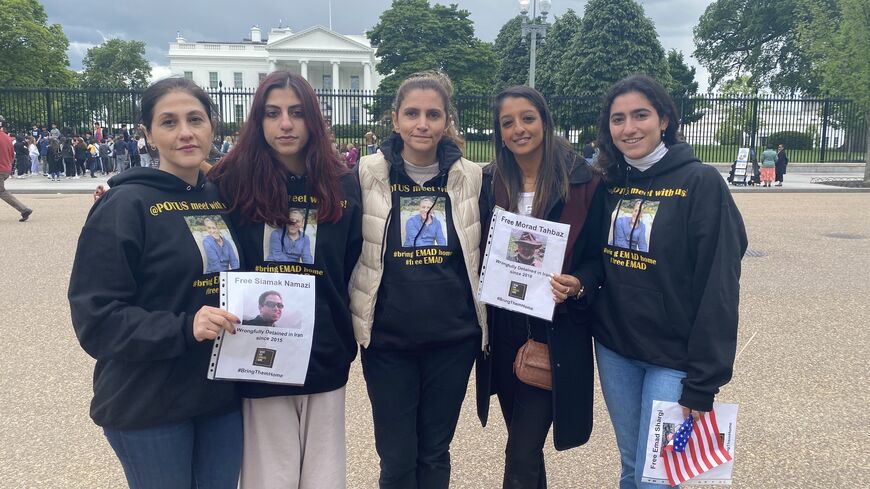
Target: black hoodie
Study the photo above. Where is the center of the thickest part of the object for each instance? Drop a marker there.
(335, 248)
(425, 271)
(137, 281)
(672, 278)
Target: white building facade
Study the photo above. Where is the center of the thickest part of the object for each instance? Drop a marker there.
(343, 64)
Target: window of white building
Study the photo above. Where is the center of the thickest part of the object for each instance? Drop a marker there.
(327, 82)
(188, 75)
(354, 82)
(237, 79)
(212, 79)
(239, 113)
(260, 77)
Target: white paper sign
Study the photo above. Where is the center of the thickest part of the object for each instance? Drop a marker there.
(666, 417)
(740, 165)
(521, 253)
(273, 343)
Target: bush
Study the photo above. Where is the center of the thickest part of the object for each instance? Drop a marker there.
(729, 135)
(353, 131)
(791, 140)
(229, 128)
(477, 136)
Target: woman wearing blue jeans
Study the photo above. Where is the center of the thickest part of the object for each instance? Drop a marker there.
(149, 316)
(667, 314)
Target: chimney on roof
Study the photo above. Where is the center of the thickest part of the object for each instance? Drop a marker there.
(256, 35)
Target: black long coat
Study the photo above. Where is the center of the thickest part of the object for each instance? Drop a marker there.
(568, 336)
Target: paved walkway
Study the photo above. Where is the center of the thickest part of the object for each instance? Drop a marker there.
(800, 377)
(794, 182)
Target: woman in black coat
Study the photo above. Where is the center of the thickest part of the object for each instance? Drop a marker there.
(538, 175)
(781, 164)
(81, 156)
(68, 155)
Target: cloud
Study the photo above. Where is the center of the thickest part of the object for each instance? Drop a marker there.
(158, 72)
(89, 23)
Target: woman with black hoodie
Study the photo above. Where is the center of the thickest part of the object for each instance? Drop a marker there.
(667, 314)
(414, 308)
(150, 317)
(283, 175)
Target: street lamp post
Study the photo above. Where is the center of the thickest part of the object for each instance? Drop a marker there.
(533, 28)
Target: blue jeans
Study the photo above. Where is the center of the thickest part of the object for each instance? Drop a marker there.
(200, 453)
(630, 387)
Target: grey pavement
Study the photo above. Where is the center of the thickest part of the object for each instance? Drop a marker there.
(800, 379)
(801, 178)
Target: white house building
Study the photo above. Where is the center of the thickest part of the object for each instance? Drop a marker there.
(328, 60)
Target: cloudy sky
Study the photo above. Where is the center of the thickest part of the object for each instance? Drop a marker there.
(90, 22)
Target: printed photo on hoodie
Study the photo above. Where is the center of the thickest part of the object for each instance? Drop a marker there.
(215, 243)
(424, 221)
(631, 224)
(526, 248)
(265, 307)
(295, 242)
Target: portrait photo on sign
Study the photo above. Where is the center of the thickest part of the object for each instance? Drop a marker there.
(423, 221)
(527, 248)
(631, 224)
(266, 307)
(212, 237)
(295, 242)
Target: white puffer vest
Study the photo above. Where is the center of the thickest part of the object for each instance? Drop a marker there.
(463, 186)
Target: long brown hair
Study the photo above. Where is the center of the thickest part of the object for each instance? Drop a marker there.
(556, 156)
(254, 181)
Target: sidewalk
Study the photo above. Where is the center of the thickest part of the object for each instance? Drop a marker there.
(38, 184)
(794, 182)
(803, 182)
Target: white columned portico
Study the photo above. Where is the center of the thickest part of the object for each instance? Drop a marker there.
(367, 76)
(335, 75)
(303, 64)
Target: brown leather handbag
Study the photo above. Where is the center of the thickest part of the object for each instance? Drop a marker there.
(532, 365)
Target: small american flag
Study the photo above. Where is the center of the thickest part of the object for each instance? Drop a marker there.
(681, 437)
(695, 449)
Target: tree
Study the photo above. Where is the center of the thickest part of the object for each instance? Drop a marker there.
(757, 38)
(838, 41)
(116, 64)
(414, 36)
(512, 55)
(616, 40)
(32, 53)
(741, 120)
(684, 87)
(552, 63)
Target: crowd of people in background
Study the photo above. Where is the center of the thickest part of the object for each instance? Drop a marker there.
(66, 154)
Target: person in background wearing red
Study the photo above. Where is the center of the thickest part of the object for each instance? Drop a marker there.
(6, 156)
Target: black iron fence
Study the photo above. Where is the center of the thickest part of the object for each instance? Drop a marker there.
(813, 130)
